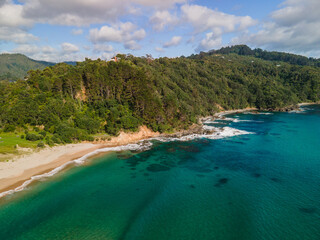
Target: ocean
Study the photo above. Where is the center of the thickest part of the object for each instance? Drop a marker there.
(259, 179)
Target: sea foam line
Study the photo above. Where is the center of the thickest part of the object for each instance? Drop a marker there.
(142, 145)
(81, 160)
(218, 133)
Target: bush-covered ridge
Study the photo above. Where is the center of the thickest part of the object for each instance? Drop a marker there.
(16, 66)
(244, 50)
(73, 103)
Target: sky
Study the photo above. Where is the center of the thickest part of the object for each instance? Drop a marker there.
(72, 30)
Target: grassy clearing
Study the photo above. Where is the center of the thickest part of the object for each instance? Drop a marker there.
(9, 141)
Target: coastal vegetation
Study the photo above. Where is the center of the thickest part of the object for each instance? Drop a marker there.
(93, 99)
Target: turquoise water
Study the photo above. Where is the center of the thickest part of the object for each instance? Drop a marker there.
(264, 185)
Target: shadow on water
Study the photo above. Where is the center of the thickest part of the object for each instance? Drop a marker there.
(308, 210)
(221, 181)
(157, 168)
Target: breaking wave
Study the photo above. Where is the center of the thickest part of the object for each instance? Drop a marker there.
(143, 145)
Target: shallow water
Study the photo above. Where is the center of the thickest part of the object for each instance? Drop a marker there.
(264, 185)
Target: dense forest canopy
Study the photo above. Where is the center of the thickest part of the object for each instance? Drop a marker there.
(266, 55)
(75, 102)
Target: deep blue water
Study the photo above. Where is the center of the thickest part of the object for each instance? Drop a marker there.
(264, 185)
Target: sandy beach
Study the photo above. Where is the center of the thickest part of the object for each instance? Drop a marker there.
(17, 171)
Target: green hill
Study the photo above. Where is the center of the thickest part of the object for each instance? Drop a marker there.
(16, 66)
(244, 50)
(74, 103)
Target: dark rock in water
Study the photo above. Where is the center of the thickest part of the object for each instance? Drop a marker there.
(170, 150)
(157, 168)
(285, 109)
(124, 156)
(190, 148)
(192, 186)
(277, 180)
(135, 160)
(133, 168)
(216, 168)
(257, 175)
(146, 174)
(275, 134)
(204, 141)
(308, 210)
(167, 163)
(221, 182)
(200, 175)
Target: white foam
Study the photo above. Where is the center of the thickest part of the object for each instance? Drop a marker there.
(243, 120)
(211, 122)
(258, 113)
(139, 146)
(218, 133)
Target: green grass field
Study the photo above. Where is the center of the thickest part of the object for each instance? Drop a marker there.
(9, 141)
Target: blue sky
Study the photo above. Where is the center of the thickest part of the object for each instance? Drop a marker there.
(60, 30)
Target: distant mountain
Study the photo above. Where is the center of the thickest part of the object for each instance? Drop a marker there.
(72, 63)
(16, 66)
(244, 50)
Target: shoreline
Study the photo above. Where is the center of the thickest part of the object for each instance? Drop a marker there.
(20, 172)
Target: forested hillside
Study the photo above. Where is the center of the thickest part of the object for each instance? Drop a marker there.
(16, 66)
(75, 102)
(244, 50)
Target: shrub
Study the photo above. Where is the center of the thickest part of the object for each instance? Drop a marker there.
(56, 139)
(68, 133)
(43, 133)
(40, 145)
(9, 128)
(84, 122)
(49, 141)
(22, 136)
(33, 137)
(36, 129)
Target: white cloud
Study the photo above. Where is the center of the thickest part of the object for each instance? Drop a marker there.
(204, 19)
(294, 28)
(173, 42)
(160, 19)
(107, 56)
(69, 48)
(102, 48)
(13, 26)
(11, 15)
(16, 35)
(159, 49)
(47, 53)
(210, 42)
(159, 3)
(82, 12)
(126, 33)
(77, 31)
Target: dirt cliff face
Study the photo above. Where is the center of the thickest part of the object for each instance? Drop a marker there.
(125, 138)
